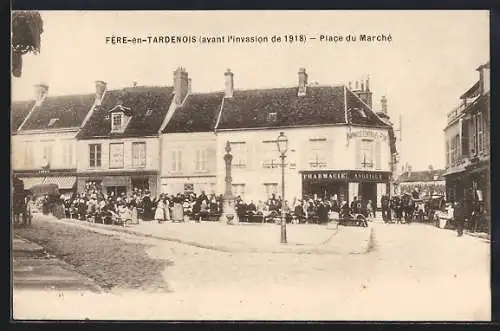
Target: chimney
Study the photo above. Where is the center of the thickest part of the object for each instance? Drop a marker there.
(189, 86)
(100, 88)
(363, 92)
(484, 78)
(180, 85)
(302, 82)
(229, 84)
(350, 85)
(41, 91)
(383, 102)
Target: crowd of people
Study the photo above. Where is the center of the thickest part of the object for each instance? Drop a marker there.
(309, 209)
(95, 205)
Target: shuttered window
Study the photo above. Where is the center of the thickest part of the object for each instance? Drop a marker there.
(480, 132)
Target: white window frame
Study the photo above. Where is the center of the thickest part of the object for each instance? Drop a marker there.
(318, 148)
(68, 153)
(139, 161)
(270, 155)
(28, 154)
(238, 190)
(115, 128)
(47, 150)
(95, 148)
(239, 151)
(366, 154)
(271, 188)
(176, 161)
(201, 160)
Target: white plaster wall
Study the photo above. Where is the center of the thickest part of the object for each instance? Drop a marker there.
(152, 153)
(37, 141)
(341, 156)
(171, 181)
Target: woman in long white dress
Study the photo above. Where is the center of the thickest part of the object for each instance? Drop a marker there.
(160, 211)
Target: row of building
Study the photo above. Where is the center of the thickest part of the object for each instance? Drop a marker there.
(168, 139)
(467, 137)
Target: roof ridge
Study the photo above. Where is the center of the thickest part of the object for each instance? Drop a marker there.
(287, 88)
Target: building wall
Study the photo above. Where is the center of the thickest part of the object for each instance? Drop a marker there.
(340, 154)
(450, 134)
(121, 176)
(28, 150)
(152, 154)
(188, 159)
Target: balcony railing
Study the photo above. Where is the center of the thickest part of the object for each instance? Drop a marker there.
(456, 112)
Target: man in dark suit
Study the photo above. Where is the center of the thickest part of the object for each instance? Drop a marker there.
(459, 216)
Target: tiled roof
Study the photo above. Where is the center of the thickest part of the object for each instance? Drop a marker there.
(421, 176)
(69, 110)
(198, 114)
(19, 111)
(320, 105)
(139, 99)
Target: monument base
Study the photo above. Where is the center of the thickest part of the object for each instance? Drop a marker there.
(228, 210)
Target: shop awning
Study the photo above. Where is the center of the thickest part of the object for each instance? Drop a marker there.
(63, 182)
(29, 182)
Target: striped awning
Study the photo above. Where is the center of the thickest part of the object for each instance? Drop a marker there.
(63, 182)
(29, 182)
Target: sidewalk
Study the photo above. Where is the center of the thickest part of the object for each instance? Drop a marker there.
(34, 269)
(245, 237)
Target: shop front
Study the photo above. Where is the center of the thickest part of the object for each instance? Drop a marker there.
(64, 179)
(120, 183)
(346, 184)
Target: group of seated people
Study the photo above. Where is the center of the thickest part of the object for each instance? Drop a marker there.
(310, 209)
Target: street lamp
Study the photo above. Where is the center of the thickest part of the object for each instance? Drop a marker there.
(282, 143)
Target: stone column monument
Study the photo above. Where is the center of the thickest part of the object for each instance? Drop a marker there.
(228, 203)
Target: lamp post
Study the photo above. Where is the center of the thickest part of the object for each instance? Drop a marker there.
(282, 143)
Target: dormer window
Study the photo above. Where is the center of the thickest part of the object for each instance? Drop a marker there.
(52, 122)
(116, 121)
(361, 112)
(271, 117)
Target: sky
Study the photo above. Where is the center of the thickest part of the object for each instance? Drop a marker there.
(429, 62)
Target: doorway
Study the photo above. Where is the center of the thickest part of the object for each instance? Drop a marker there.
(116, 190)
(368, 191)
(325, 190)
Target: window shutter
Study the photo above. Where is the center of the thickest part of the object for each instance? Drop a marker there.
(377, 155)
(357, 147)
(465, 138)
